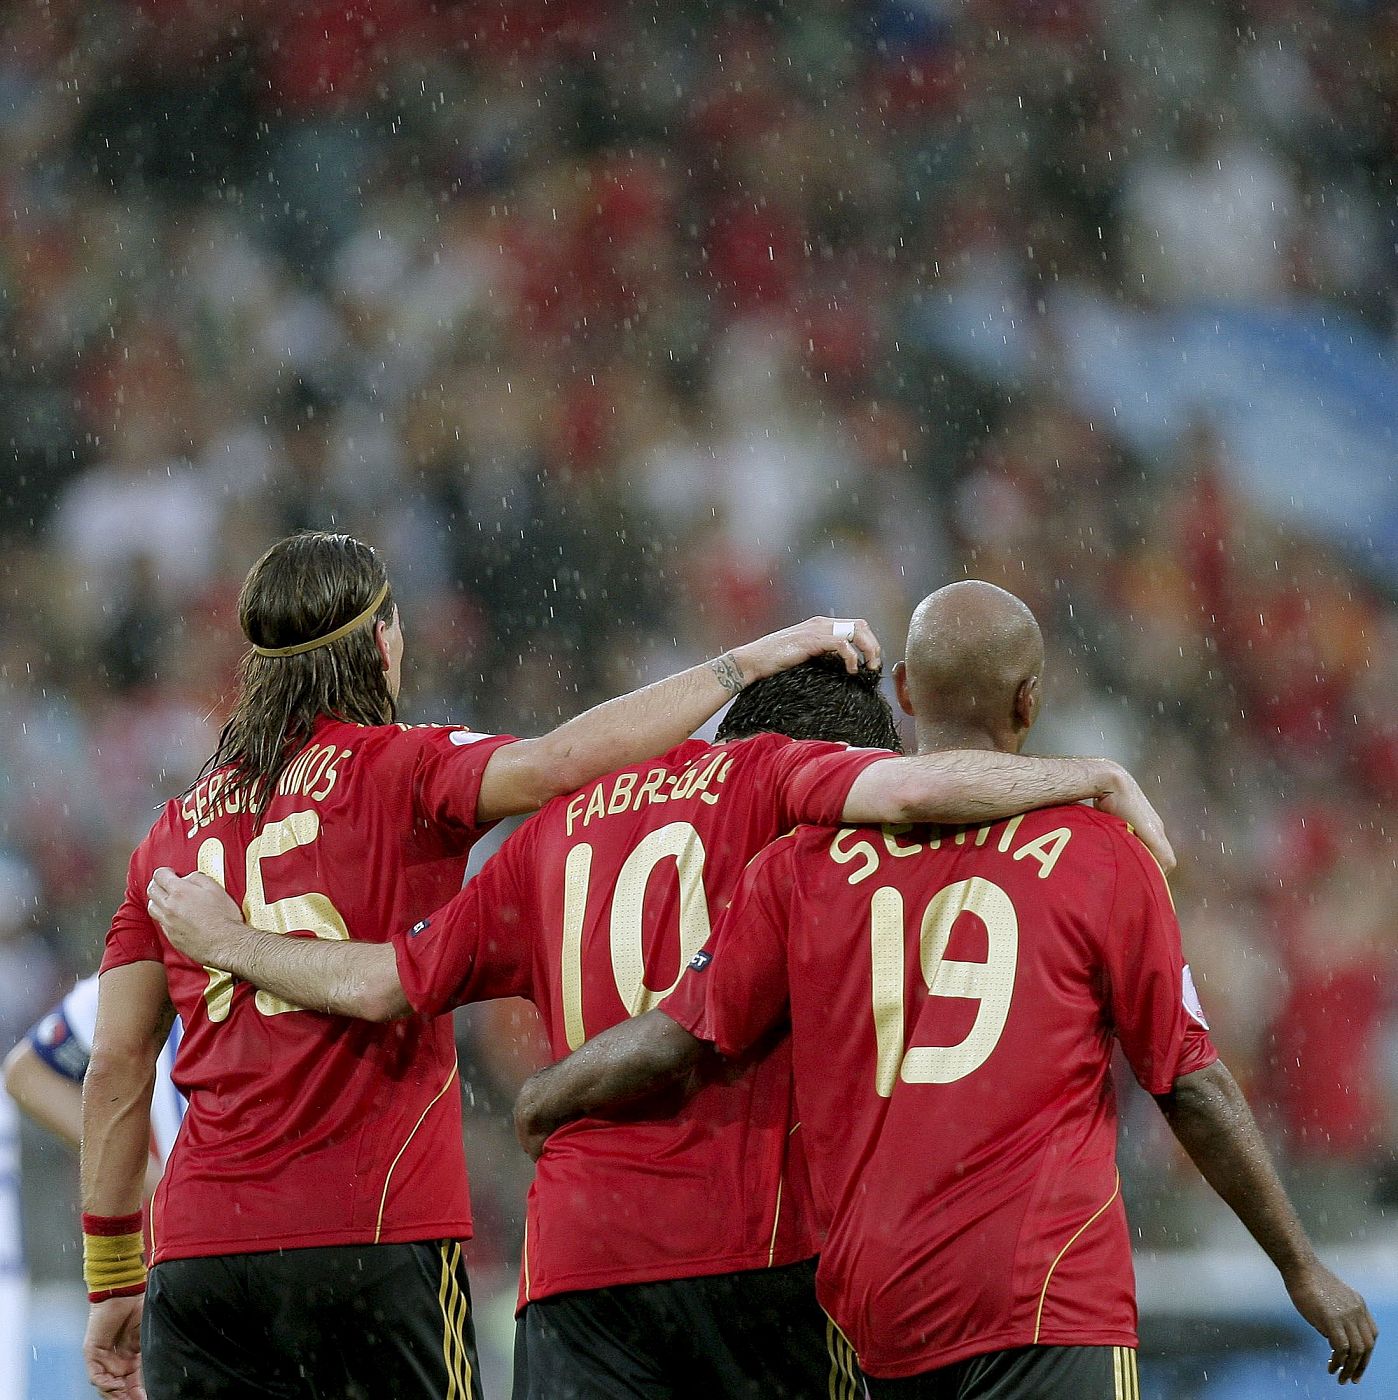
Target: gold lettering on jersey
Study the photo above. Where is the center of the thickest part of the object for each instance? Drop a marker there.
(1008, 835)
(577, 872)
(622, 789)
(847, 847)
(1046, 849)
(843, 855)
(218, 992)
(683, 783)
(678, 842)
(717, 771)
(896, 847)
(650, 789)
(990, 983)
(312, 774)
(311, 912)
(629, 792)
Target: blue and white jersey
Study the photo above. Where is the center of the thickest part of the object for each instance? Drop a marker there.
(63, 1041)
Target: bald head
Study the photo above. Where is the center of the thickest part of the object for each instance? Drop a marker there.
(974, 658)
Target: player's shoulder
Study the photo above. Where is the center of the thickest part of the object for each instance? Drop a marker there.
(761, 753)
(393, 746)
(1113, 840)
(790, 848)
(1077, 817)
(396, 737)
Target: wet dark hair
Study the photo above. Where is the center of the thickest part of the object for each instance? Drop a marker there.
(818, 699)
(304, 587)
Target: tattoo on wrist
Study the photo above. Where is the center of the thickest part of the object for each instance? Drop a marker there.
(728, 673)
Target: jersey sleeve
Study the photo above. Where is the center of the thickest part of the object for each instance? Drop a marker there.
(133, 936)
(63, 1038)
(811, 780)
(476, 947)
(743, 966)
(1155, 1011)
(448, 766)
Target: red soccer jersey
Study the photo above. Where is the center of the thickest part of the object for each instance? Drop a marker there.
(592, 910)
(305, 1129)
(953, 1000)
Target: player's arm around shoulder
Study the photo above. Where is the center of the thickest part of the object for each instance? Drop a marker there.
(625, 1062)
(522, 776)
(966, 787)
(339, 978)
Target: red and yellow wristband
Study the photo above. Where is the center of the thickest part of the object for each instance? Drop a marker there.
(114, 1264)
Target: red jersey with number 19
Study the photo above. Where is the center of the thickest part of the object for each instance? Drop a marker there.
(592, 909)
(305, 1129)
(953, 999)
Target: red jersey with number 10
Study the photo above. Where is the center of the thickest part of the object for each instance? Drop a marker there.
(305, 1129)
(592, 909)
(953, 1000)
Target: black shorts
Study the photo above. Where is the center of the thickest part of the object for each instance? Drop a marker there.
(343, 1322)
(759, 1333)
(1025, 1373)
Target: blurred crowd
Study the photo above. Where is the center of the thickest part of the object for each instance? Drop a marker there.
(609, 324)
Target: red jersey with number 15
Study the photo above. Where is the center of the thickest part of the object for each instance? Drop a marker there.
(953, 999)
(592, 909)
(305, 1129)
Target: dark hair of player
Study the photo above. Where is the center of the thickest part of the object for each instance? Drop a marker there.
(302, 588)
(818, 699)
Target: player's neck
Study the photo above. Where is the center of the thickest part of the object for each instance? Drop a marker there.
(935, 735)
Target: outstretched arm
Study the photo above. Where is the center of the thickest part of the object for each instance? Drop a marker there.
(55, 1102)
(1212, 1120)
(521, 777)
(626, 1062)
(43, 1095)
(965, 786)
(344, 979)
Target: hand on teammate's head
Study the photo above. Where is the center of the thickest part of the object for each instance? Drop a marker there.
(851, 639)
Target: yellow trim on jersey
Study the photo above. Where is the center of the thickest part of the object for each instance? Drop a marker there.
(392, 1166)
(772, 1245)
(1043, 1292)
(525, 1257)
(776, 1220)
(1164, 878)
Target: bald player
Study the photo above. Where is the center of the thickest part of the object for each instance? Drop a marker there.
(953, 997)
